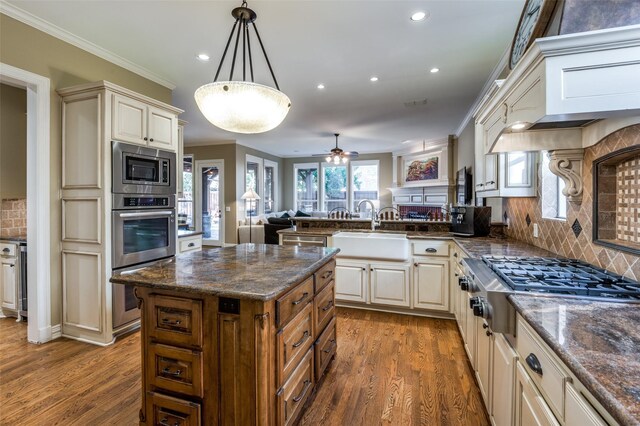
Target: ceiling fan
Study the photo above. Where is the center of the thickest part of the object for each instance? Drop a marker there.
(337, 155)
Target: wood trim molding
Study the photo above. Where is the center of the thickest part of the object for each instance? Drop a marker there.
(68, 37)
(567, 164)
(38, 197)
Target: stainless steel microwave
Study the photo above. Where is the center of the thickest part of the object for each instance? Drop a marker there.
(141, 170)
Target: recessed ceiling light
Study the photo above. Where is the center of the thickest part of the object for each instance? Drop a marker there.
(203, 57)
(320, 86)
(374, 78)
(518, 126)
(434, 70)
(418, 16)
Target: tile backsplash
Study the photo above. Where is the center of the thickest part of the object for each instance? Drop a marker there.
(558, 236)
(628, 200)
(13, 220)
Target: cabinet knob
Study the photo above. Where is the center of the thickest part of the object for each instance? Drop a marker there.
(415, 264)
(192, 244)
(488, 183)
(489, 334)
(364, 269)
(151, 140)
(146, 138)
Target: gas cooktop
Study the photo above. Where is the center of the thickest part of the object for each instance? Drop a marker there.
(562, 276)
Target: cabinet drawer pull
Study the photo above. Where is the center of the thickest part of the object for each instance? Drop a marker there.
(305, 336)
(307, 383)
(431, 250)
(299, 301)
(192, 245)
(329, 305)
(332, 341)
(165, 422)
(455, 254)
(6, 250)
(176, 373)
(491, 183)
(169, 322)
(534, 364)
(327, 275)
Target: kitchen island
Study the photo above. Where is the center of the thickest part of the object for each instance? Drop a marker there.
(237, 335)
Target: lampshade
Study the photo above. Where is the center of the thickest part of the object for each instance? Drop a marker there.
(242, 106)
(250, 195)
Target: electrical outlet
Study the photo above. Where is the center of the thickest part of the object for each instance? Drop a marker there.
(535, 230)
(227, 209)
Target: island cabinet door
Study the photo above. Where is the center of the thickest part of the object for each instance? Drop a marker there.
(295, 392)
(294, 340)
(166, 410)
(324, 308)
(175, 320)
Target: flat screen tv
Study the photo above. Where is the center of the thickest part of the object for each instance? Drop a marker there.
(463, 187)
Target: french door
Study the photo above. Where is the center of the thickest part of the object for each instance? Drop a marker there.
(209, 198)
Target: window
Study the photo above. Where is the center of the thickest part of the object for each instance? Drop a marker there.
(554, 203)
(306, 187)
(328, 186)
(270, 186)
(335, 187)
(364, 182)
(185, 202)
(252, 177)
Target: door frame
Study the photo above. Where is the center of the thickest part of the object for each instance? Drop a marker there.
(38, 89)
(198, 198)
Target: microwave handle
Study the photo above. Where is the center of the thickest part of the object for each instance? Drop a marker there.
(147, 214)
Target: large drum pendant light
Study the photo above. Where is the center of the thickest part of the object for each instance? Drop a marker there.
(243, 106)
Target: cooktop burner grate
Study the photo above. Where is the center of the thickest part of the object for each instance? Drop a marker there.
(561, 276)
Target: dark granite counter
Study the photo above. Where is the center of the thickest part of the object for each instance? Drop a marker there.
(245, 271)
(598, 341)
(20, 239)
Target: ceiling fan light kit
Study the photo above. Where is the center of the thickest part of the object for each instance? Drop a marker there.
(243, 106)
(337, 155)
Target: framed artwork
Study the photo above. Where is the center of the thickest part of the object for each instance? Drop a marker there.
(421, 170)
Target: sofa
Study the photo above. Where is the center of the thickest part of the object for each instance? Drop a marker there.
(258, 226)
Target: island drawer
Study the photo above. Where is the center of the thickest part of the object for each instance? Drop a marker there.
(324, 305)
(293, 302)
(431, 248)
(175, 369)
(325, 348)
(166, 410)
(293, 342)
(296, 390)
(325, 275)
(175, 320)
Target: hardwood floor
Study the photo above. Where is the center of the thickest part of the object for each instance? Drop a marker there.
(390, 369)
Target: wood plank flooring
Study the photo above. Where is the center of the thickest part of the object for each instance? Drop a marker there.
(389, 370)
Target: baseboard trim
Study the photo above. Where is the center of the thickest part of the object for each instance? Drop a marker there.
(393, 310)
(56, 331)
(93, 342)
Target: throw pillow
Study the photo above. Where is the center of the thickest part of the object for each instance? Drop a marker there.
(302, 214)
(285, 216)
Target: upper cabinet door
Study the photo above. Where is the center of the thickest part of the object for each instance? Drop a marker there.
(163, 129)
(129, 120)
(490, 172)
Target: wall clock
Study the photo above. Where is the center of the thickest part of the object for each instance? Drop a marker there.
(533, 23)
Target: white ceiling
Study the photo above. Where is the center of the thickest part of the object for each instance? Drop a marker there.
(338, 43)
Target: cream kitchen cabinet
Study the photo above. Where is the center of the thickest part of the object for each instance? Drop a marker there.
(484, 359)
(470, 331)
(503, 370)
(578, 411)
(180, 159)
(530, 407)
(9, 283)
(508, 174)
(431, 283)
(390, 284)
(352, 281)
(189, 243)
(143, 124)
(490, 172)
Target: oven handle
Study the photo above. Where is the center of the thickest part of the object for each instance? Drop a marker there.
(148, 214)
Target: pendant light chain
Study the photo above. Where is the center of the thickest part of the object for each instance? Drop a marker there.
(226, 48)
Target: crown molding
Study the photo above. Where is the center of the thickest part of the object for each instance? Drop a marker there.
(47, 27)
(497, 70)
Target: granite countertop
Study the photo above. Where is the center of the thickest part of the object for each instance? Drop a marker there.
(182, 233)
(598, 341)
(245, 271)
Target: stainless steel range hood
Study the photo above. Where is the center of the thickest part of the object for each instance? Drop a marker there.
(562, 85)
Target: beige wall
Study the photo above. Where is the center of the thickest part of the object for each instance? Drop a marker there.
(13, 142)
(464, 151)
(385, 176)
(65, 65)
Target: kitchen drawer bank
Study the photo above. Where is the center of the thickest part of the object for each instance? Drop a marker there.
(237, 335)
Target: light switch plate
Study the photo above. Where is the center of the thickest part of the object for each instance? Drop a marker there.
(227, 209)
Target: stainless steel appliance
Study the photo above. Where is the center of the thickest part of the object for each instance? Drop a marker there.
(304, 240)
(143, 230)
(494, 278)
(468, 221)
(22, 261)
(141, 170)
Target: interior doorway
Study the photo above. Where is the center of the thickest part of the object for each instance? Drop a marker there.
(209, 196)
(38, 198)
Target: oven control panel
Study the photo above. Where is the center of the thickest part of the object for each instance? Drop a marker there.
(146, 201)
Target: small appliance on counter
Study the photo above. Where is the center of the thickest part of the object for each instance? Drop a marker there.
(470, 221)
